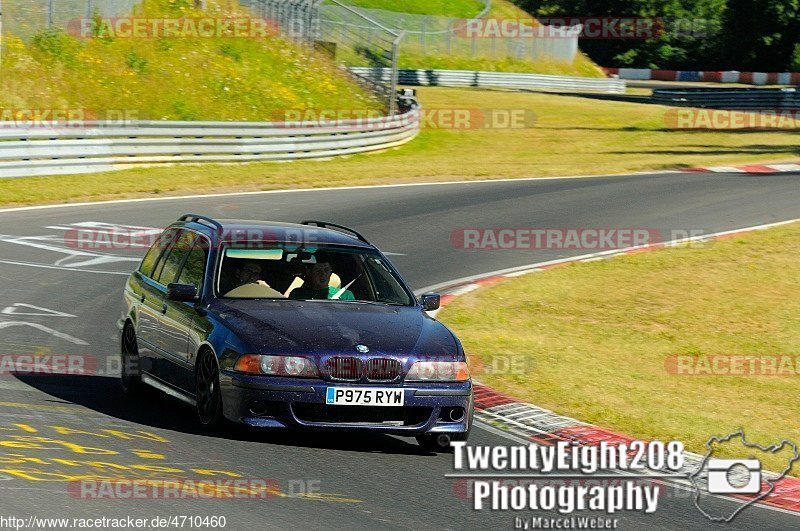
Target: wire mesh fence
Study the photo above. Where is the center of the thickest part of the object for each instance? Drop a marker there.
(25, 18)
(356, 40)
(458, 37)
(351, 38)
(296, 19)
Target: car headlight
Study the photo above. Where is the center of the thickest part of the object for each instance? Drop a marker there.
(438, 371)
(292, 366)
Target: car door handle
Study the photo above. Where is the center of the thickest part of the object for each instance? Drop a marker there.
(164, 309)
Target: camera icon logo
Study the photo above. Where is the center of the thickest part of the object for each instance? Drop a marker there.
(734, 476)
(738, 476)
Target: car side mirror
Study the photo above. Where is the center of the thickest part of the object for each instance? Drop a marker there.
(431, 301)
(181, 293)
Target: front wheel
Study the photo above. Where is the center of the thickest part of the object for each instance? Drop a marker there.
(209, 396)
(131, 373)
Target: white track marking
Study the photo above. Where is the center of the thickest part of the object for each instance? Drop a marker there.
(54, 333)
(42, 242)
(62, 268)
(516, 271)
(12, 310)
(328, 189)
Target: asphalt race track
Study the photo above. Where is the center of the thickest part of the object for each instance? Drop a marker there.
(57, 299)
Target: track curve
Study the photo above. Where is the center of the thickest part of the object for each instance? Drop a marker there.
(57, 300)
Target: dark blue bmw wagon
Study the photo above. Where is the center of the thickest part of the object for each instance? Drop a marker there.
(298, 326)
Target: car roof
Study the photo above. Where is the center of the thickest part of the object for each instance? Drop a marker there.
(278, 232)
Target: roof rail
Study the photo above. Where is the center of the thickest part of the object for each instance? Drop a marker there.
(197, 218)
(326, 224)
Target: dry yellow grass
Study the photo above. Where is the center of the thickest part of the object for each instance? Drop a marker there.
(572, 136)
(598, 336)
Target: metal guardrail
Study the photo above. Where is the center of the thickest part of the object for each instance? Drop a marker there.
(468, 78)
(732, 99)
(95, 147)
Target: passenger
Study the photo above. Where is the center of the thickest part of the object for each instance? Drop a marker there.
(249, 272)
(317, 279)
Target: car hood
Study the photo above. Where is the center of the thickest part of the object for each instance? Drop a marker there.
(323, 328)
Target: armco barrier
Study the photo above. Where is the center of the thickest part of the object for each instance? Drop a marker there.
(93, 147)
(469, 78)
(733, 99)
(707, 76)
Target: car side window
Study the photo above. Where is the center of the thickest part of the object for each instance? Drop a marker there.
(173, 262)
(154, 259)
(194, 267)
(149, 260)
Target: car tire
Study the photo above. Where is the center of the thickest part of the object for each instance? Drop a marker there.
(130, 372)
(208, 393)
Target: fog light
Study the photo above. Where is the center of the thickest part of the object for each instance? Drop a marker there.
(452, 414)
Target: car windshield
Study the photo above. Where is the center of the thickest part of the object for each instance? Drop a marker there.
(337, 274)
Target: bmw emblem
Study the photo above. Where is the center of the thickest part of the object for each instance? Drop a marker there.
(363, 349)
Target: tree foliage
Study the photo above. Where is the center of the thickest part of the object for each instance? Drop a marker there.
(757, 35)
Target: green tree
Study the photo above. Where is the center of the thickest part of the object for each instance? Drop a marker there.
(759, 35)
(698, 34)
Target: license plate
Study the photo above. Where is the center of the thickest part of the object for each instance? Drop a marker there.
(360, 396)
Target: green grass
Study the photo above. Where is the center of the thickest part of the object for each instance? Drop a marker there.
(457, 53)
(448, 8)
(411, 58)
(572, 136)
(598, 334)
(180, 78)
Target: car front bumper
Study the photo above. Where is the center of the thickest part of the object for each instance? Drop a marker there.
(270, 402)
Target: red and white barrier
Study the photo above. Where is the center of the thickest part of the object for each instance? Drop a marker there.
(752, 78)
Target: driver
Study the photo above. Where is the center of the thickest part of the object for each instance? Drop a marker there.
(317, 278)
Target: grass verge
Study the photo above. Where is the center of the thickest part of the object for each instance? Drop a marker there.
(187, 78)
(455, 52)
(444, 8)
(411, 57)
(599, 335)
(572, 136)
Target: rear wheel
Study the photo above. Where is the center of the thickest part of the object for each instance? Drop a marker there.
(131, 374)
(207, 391)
